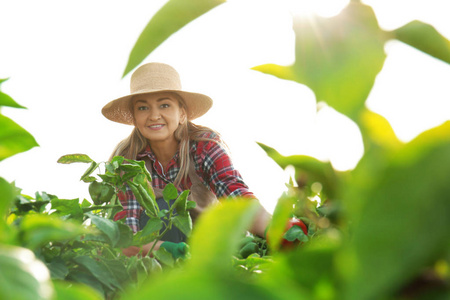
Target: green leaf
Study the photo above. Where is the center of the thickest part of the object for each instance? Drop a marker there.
(22, 275)
(126, 236)
(184, 223)
(100, 272)
(85, 177)
(118, 268)
(404, 214)
(6, 100)
(225, 222)
(308, 168)
(153, 225)
(338, 57)
(13, 138)
(170, 192)
(68, 207)
(165, 257)
(41, 229)
(66, 290)
(180, 204)
(425, 38)
(86, 278)
(74, 158)
(174, 15)
(7, 195)
(108, 227)
(58, 269)
(281, 214)
(295, 233)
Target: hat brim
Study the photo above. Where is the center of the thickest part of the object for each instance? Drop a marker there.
(118, 110)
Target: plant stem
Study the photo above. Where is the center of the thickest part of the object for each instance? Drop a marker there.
(158, 238)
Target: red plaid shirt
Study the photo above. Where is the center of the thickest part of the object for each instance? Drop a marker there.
(212, 164)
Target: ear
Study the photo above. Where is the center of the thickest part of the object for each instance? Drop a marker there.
(183, 117)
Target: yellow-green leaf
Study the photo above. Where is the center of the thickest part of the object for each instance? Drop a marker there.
(74, 158)
(13, 138)
(338, 57)
(426, 38)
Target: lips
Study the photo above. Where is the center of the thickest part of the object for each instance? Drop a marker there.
(156, 126)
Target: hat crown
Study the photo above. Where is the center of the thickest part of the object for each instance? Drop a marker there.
(154, 76)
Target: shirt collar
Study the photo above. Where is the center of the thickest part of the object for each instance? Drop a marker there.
(149, 153)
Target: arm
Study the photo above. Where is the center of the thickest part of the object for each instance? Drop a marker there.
(226, 181)
(134, 250)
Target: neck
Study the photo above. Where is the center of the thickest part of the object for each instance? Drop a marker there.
(164, 151)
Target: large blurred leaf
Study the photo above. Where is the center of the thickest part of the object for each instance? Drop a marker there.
(41, 229)
(208, 274)
(6, 100)
(174, 15)
(6, 197)
(307, 271)
(65, 290)
(309, 168)
(425, 38)
(403, 221)
(281, 214)
(13, 138)
(377, 132)
(225, 222)
(338, 57)
(22, 275)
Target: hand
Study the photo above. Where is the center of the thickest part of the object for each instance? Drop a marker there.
(134, 250)
(176, 249)
(131, 251)
(294, 234)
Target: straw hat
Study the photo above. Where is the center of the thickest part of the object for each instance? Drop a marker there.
(153, 78)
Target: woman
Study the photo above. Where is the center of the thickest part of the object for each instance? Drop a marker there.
(175, 149)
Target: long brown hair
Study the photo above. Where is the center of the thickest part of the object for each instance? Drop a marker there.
(186, 132)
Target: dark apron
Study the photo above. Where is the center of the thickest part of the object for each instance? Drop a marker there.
(199, 193)
(172, 235)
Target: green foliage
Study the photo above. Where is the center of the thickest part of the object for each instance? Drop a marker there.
(13, 138)
(374, 232)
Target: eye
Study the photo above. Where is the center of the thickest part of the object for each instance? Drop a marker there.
(165, 105)
(142, 107)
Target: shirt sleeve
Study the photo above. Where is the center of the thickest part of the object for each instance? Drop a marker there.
(219, 172)
(131, 209)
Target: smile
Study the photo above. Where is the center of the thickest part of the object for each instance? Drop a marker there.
(156, 126)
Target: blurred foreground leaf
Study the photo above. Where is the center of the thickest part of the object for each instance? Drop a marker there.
(401, 222)
(426, 38)
(209, 273)
(338, 57)
(22, 275)
(307, 168)
(173, 16)
(13, 138)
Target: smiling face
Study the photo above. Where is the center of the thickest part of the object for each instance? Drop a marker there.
(157, 116)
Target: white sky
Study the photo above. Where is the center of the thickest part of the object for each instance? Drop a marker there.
(65, 60)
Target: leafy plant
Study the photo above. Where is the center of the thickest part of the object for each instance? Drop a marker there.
(379, 231)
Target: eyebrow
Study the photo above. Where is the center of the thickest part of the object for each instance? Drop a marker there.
(158, 100)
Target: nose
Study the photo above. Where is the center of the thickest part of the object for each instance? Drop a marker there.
(154, 115)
